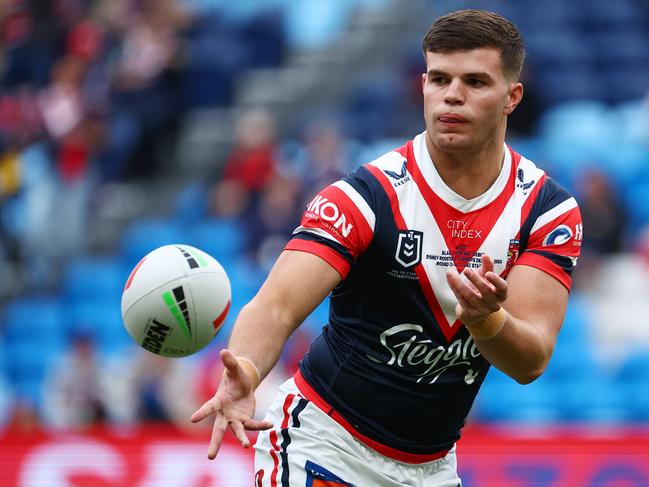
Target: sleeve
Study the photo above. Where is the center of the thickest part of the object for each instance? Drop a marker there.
(555, 236)
(338, 224)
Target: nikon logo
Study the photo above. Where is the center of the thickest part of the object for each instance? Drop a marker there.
(155, 336)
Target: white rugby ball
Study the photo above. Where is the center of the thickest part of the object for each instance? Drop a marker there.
(175, 300)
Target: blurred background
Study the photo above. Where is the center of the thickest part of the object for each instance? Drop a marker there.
(129, 124)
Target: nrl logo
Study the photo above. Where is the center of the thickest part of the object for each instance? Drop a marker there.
(408, 251)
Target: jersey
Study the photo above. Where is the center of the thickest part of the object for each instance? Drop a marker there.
(394, 365)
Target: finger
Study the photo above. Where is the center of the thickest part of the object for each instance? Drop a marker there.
(464, 294)
(229, 360)
(256, 425)
(499, 284)
(220, 423)
(482, 285)
(239, 433)
(207, 409)
(487, 264)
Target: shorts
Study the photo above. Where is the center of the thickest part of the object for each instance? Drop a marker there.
(307, 448)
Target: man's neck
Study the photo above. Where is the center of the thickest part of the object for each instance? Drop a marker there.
(471, 173)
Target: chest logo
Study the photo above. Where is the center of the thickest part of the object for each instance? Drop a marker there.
(409, 247)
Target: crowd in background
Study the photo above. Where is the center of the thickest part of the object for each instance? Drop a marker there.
(93, 92)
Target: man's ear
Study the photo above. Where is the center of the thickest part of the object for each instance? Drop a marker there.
(515, 96)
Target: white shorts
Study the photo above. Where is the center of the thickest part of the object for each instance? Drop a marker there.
(307, 448)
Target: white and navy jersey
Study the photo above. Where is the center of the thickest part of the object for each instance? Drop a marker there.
(394, 365)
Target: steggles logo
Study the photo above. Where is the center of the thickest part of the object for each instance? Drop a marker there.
(418, 354)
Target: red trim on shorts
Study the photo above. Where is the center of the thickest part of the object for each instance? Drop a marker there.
(310, 394)
(273, 454)
(273, 440)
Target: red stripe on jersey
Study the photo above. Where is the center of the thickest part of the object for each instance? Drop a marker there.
(403, 150)
(329, 255)
(449, 330)
(453, 223)
(546, 265)
(335, 213)
(311, 395)
(571, 247)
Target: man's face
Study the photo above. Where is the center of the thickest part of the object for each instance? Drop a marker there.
(467, 98)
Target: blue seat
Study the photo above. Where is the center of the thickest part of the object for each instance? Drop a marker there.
(145, 235)
(94, 278)
(31, 360)
(311, 24)
(102, 321)
(223, 239)
(34, 319)
(505, 400)
(598, 400)
(191, 204)
(637, 202)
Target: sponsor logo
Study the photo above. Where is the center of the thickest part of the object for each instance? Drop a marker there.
(558, 236)
(155, 335)
(521, 184)
(409, 247)
(174, 351)
(459, 229)
(407, 347)
(397, 175)
(194, 261)
(400, 177)
(328, 211)
(579, 234)
(512, 253)
(317, 476)
(177, 305)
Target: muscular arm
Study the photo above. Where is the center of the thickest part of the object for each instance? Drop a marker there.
(536, 306)
(297, 284)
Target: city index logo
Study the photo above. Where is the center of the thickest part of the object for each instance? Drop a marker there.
(329, 212)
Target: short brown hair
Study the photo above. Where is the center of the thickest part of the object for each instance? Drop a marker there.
(472, 29)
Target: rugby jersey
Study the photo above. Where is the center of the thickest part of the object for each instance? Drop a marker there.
(394, 365)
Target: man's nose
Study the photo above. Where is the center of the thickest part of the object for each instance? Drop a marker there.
(454, 93)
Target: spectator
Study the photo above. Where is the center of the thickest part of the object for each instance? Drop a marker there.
(252, 161)
(73, 392)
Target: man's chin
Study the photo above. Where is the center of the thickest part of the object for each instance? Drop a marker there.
(452, 142)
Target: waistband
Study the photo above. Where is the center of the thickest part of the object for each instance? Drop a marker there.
(310, 394)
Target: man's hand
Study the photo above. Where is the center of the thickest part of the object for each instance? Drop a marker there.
(482, 295)
(233, 405)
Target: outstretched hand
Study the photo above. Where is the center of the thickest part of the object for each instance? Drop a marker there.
(482, 294)
(232, 405)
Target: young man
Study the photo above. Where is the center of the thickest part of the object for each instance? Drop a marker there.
(442, 257)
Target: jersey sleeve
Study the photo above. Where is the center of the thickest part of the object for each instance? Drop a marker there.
(338, 224)
(555, 236)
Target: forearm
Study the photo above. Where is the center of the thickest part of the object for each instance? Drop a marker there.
(260, 332)
(520, 349)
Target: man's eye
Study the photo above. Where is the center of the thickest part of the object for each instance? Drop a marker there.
(476, 83)
(438, 80)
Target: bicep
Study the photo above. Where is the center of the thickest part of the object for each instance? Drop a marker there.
(297, 284)
(537, 298)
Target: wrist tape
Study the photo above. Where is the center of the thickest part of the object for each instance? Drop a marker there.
(251, 370)
(489, 326)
